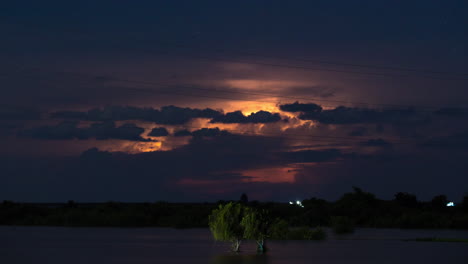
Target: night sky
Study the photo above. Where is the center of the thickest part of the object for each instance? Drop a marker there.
(204, 100)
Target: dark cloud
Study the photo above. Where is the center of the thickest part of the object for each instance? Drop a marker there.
(203, 132)
(108, 130)
(376, 143)
(158, 132)
(354, 115)
(169, 115)
(47, 36)
(311, 155)
(210, 132)
(63, 130)
(239, 117)
(348, 115)
(100, 131)
(298, 107)
(96, 155)
(216, 163)
(182, 133)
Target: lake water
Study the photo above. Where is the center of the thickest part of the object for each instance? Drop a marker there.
(54, 245)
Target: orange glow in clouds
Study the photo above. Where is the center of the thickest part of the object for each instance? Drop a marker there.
(272, 175)
(265, 86)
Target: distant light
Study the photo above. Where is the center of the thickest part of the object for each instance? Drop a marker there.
(298, 203)
(451, 204)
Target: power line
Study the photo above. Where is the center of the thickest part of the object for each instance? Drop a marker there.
(392, 68)
(317, 69)
(273, 95)
(242, 92)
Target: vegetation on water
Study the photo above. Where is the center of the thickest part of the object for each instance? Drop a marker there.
(235, 222)
(226, 224)
(357, 208)
(257, 225)
(437, 239)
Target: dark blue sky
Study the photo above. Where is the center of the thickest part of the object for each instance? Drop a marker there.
(381, 87)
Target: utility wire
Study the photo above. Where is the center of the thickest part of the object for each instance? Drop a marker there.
(307, 68)
(369, 66)
(152, 83)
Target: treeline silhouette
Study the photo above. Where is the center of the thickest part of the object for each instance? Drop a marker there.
(356, 208)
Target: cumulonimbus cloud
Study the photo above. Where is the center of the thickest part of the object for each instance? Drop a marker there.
(158, 132)
(354, 115)
(240, 118)
(168, 115)
(203, 132)
(100, 131)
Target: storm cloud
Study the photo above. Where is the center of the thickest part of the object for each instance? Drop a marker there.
(298, 107)
(203, 132)
(240, 118)
(169, 115)
(352, 115)
(158, 132)
(100, 131)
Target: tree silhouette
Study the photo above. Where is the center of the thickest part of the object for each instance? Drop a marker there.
(464, 203)
(439, 202)
(244, 199)
(406, 199)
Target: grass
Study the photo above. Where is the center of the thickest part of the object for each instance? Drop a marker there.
(437, 239)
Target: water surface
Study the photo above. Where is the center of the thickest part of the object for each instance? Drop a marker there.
(53, 245)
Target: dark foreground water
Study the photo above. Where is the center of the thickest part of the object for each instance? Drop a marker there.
(50, 245)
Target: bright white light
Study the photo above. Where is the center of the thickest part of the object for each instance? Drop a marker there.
(451, 204)
(299, 203)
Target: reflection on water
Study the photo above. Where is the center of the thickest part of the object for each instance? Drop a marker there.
(51, 245)
(240, 259)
